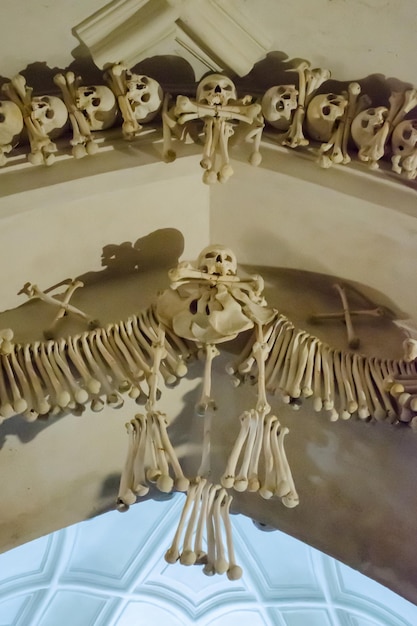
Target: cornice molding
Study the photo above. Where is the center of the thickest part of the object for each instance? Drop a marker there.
(220, 36)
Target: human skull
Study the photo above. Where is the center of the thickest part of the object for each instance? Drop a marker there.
(145, 96)
(323, 113)
(366, 125)
(404, 148)
(217, 260)
(278, 103)
(50, 113)
(216, 89)
(11, 122)
(98, 104)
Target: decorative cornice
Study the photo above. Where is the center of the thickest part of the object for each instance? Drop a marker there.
(217, 35)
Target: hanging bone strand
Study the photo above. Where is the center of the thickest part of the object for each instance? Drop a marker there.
(205, 408)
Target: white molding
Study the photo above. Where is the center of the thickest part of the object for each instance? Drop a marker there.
(223, 36)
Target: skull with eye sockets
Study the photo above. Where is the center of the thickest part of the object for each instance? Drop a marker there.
(217, 260)
(215, 90)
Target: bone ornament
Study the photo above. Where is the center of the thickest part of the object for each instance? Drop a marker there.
(278, 104)
(44, 117)
(372, 128)
(90, 109)
(11, 126)
(309, 80)
(404, 149)
(223, 116)
(139, 98)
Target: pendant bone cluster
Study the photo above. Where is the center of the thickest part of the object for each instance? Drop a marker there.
(206, 305)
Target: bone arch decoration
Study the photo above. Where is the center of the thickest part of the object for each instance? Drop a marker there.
(336, 125)
(206, 304)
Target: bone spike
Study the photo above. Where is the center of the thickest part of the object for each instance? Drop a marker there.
(228, 478)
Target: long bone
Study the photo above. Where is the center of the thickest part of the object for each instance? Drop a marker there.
(173, 553)
(80, 395)
(245, 360)
(82, 140)
(378, 380)
(347, 377)
(19, 403)
(363, 408)
(328, 385)
(298, 365)
(188, 555)
(234, 571)
(201, 554)
(290, 499)
(291, 357)
(253, 475)
(90, 383)
(228, 478)
(141, 366)
(164, 482)
(173, 362)
(112, 397)
(181, 482)
(268, 484)
(317, 381)
(343, 408)
(209, 567)
(45, 379)
(126, 495)
(372, 399)
(260, 352)
(65, 391)
(206, 408)
(221, 564)
(103, 353)
(139, 466)
(30, 414)
(123, 356)
(41, 406)
(159, 352)
(6, 406)
(278, 355)
(72, 287)
(353, 340)
(241, 480)
(281, 485)
(307, 383)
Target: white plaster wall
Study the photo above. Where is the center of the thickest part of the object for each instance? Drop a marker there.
(290, 213)
(58, 230)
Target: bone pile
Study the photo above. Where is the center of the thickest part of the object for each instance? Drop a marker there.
(95, 367)
(150, 459)
(300, 365)
(206, 510)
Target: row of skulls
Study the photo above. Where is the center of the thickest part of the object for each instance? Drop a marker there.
(300, 113)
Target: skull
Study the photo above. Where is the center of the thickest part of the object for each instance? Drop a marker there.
(50, 113)
(98, 104)
(366, 125)
(404, 148)
(145, 96)
(217, 260)
(11, 122)
(323, 113)
(278, 104)
(216, 89)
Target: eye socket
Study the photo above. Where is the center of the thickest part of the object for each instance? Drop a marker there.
(146, 97)
(326, 110)
(407, 134)
(49, 114)
(2, 118)
(96, 102)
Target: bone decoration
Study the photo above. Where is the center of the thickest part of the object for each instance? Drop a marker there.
(346, 124)
(223, 115)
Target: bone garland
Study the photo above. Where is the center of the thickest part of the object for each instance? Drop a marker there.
(207, 507)
(41, 116)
